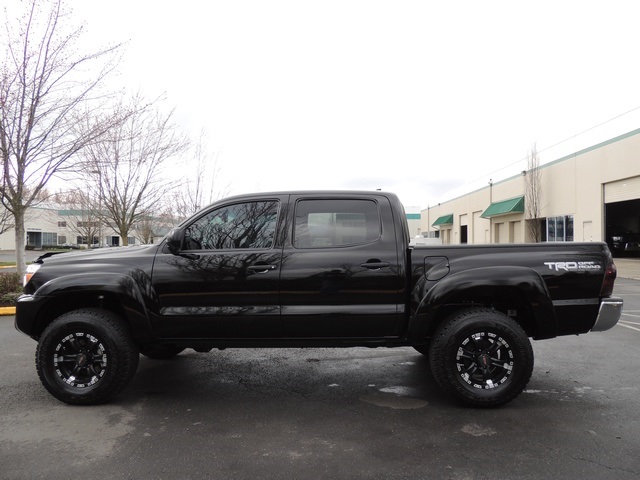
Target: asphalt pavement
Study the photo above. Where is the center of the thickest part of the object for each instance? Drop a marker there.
(331, 413)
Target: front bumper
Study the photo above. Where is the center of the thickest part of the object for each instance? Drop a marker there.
(27, 308)
(608, 315)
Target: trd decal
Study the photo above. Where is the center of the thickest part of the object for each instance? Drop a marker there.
(573, 266)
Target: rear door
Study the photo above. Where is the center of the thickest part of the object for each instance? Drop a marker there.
(340, 275)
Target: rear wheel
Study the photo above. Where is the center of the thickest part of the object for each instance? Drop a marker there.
(86, 357)
(481, 357)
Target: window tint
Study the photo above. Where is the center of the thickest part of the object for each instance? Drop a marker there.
(245, 225)
(335, 223)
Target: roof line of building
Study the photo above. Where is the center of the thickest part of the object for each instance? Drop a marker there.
(553, 162)
(593, 147)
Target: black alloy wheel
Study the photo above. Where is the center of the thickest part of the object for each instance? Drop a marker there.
(80, 359)
(86, 357)
(484, 360)
(481, 357)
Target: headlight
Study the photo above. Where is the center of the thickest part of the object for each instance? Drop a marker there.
(31, 270)
(616, 239)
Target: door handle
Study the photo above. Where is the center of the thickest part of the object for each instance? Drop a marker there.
(376, 265)
(261, 268)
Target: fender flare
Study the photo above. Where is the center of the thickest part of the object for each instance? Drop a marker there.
(453, 288)
(133, 292)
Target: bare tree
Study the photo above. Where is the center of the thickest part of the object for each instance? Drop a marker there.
(83, 216)
(151, 226)
(201, 186)
(533, 195)
(146, 229)
(128, 165)
(6, 221)
(44, 83)
(6, 218)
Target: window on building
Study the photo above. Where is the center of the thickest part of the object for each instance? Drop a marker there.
(131, 240)
(49, 239)
(62, 239)
(560, 229)
(84, 240)
(82, 224)
(62, 224)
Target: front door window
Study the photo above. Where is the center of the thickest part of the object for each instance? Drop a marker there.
(244, 225)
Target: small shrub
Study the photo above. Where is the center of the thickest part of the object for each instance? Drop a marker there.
(10, 283)
(9, 299)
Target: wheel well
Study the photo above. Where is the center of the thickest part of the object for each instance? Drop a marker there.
(509, 301)
(65, 303)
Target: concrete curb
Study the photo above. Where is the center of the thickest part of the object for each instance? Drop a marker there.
(7, 311)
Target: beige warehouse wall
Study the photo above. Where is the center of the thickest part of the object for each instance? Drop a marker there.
(572, 185)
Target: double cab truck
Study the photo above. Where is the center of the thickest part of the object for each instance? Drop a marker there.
(311, 269)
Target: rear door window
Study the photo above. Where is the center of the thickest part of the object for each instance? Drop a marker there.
(335, 223)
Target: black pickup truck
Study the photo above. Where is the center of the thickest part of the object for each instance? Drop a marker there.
(311, 269)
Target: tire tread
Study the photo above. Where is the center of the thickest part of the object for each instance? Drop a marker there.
(447, 379)
(125, 358)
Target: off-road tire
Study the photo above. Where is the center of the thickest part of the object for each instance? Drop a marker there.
(86, 357)
(481, 357)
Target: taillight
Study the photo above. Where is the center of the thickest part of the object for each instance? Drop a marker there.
(610, 273)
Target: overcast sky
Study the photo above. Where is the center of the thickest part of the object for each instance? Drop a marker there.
(425, 99)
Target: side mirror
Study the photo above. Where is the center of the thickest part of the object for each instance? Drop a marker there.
(174, 240)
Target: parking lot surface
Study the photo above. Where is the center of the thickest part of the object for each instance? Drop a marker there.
(331, 413)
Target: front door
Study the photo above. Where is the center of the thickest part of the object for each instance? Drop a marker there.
(225, 282)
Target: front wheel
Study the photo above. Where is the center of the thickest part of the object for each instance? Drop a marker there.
(481, 357)
(86, 357)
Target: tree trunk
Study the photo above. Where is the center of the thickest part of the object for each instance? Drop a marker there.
(21, 264)
(125, 238)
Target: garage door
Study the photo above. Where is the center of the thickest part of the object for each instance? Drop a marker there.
(622, 190)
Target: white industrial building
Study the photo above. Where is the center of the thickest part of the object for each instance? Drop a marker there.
(585, 196)
(51, 226)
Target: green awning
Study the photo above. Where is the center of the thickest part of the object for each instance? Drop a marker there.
(443, 220)
(513, 205)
